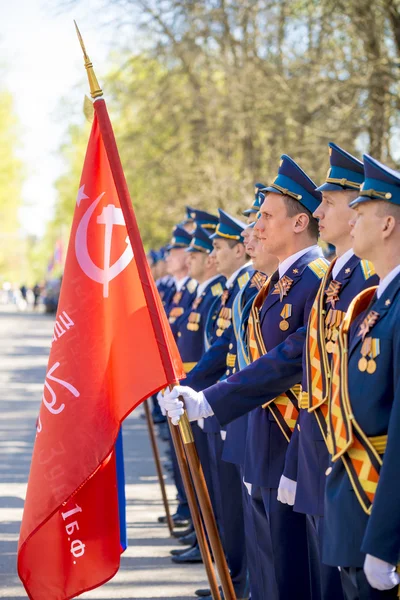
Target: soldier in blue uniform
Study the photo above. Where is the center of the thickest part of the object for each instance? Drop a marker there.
(276, 340)
(259, 196)
(184, 289)
(164, 282)
(236, 432)
(307, 457)
(195, 216)
(190, 342)
(231, 261)
(362, 502)
(180, 297)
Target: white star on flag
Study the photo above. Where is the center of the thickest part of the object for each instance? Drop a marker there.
(81, 195)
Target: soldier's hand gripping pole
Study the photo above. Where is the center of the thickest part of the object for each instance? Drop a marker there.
(157, 461)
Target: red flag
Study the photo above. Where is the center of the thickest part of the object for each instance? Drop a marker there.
(112, 348)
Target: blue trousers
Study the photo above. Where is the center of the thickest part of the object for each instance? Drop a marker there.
(227, 489)
(286, 572)
(325, 580)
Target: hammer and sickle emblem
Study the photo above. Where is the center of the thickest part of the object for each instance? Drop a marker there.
(110, 216)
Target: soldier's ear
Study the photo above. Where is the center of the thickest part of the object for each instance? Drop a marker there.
(300, 222)
(388, 226)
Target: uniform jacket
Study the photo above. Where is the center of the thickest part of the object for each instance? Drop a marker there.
(272, 374)
(166, 287)
(212, 365)
(375, 403)
(235, 442)
(307, 456)
(178, 302)
(190, 335)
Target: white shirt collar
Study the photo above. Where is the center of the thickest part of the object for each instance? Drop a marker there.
(341, 261)
(386, 280)
(290, 260)
(202, 286)
(179, 284)
(231, 279)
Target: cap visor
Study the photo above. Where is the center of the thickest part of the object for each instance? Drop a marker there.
(330, 187)
(270, 189)
(361, 200)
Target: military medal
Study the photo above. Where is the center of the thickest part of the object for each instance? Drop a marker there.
(224, 297)
(193, 321)
(370, 349)
(177, 297)
(374, 352)
(362, 364)
(197, 302)
(286, 313)
(223, 320)
(282, 287)
(333, 321)
(332, 293)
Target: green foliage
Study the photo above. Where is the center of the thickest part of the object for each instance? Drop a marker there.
(11, 177)
(221, 89)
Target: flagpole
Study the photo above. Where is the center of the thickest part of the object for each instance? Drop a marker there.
(160, 333)
(194, 511)
(157, 461)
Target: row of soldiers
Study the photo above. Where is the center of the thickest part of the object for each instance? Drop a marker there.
(293, 382)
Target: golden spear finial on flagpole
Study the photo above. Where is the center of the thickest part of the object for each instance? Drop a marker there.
(95, 89)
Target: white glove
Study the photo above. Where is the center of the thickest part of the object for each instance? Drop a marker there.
(196, 404)
(287, 490)
(200, 423)
(380, 574)
(160, 400)
(248, 487)
(223, 435)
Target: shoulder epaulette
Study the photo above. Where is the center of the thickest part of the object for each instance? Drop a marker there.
(243, 279)
(217, 289)
(319, 266)
(191, 285)
(258, 280)
(367, 269)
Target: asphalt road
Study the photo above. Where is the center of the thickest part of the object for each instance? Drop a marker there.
(146, 569)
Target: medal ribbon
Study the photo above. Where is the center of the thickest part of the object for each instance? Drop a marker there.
(282, 287)
(284, 408)
(332, 293)
(360, 456)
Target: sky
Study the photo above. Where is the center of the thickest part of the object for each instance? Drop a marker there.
(40, 64)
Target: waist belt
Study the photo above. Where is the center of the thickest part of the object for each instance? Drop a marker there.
(284, 410)
(230, 360)
(379, 442)
(303, 400)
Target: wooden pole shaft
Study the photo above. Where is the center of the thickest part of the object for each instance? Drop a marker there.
(194, 510)
(157, 461)
(196, 471)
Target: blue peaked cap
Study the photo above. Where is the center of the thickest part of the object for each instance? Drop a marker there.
(188, 218)
(381, 183)
(162, 252)
(292, 181)
(345, 173)
(201, 241)
(203, 218)
(259, 197)
(154, 255)
(229, 227)
(180, 238)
